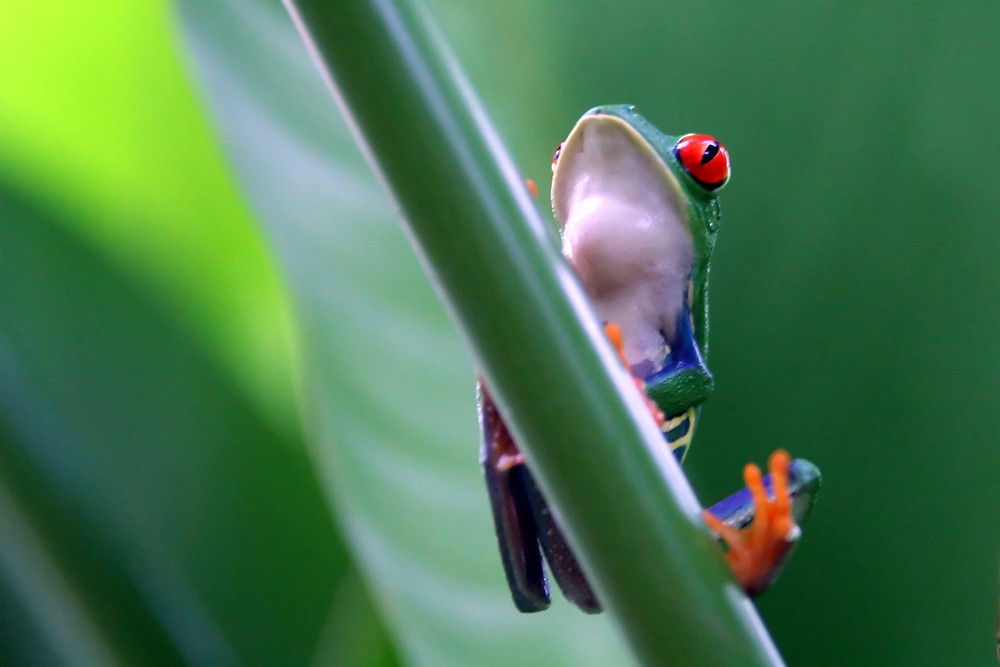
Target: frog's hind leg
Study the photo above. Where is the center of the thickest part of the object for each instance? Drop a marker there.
(524, 523)
(517, 532)
(562, 563)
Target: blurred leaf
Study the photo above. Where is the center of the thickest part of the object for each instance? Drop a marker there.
(98, 120)
(155, 501)
(148, 510)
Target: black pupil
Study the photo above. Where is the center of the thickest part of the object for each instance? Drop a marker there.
(710, 152)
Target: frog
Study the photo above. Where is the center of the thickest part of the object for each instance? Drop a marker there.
(638, 215)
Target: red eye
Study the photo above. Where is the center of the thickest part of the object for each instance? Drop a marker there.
(705, 159)
(555, 156)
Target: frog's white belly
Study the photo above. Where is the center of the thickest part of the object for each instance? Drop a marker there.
(624, 224)
(634, 261)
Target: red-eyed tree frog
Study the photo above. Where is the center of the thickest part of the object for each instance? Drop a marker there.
(639, 215)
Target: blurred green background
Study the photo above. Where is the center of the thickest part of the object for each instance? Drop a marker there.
(236, 425)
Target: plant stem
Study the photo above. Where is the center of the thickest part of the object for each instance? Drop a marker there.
(624, 503)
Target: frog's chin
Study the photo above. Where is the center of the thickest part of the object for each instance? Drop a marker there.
(625, 230)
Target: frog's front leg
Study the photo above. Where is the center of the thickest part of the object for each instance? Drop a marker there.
(761, 529)
(759, 532)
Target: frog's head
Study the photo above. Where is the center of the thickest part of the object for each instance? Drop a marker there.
(639, 216)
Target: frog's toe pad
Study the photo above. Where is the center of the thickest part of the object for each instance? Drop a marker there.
(757, 553)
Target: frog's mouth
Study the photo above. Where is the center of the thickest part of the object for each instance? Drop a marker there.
(626, 230)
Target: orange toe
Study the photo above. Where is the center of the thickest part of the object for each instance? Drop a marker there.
(532, 188)
(756, 553)
(614, 334)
